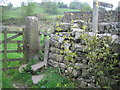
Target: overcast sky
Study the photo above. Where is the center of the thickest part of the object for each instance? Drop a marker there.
(16, 3)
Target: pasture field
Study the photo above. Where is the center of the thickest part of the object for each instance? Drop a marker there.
(22, 79)
(17, 13)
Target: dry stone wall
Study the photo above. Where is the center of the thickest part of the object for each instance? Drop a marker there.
(66, 37)
(108, 21)
(87, 16)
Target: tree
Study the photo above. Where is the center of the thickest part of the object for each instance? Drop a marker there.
(27, 9)
(4, 10)
(22, 4)
(74, 5)
(10, 5)
(50, 7)
(101, 9)
(117, 8)
(85, 7)
(62, 5)
(80, 5)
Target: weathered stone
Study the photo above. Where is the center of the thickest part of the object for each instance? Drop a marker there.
(75, 25)
(62, 23)
(76, 30)
(80, 57)
(91, 85)
(37, 78)
(58, 38)
(52, 63)
(54, 50)
(84, 61)
(80, 66)
(70, 69)
(77, 35)
(21, 68)
(75, 73)
(31, 41)
(66, 71)
(83, 42)
(87, 16)
(85, 80)
(79, 21)
(62, 65)
(78, 47)
(81, 54)
(56, 57)
(80, 79)
(85, 73)
(115, 39)
(37, 66)
(90, 64)
(64, 27)
(55, 43)
(83, 84)
(92, 79)
(67, 45)
(116, 48)
(67, 34)
(56, 64)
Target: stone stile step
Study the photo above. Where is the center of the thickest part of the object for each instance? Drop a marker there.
(38, 66)
(37, 78)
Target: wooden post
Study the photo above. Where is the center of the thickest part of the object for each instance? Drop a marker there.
(31, 39)
(47, 44)
(5, 49)
(95, 17)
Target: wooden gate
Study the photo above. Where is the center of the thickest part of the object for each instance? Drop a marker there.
(30, 47)
(5, 50)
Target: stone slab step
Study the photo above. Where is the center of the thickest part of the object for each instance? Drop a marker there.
(37, 78)
(38, 66)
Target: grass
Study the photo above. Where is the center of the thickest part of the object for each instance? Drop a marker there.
(62, 10)
(16, 13)
(6, 80)
(51, 80)
(12, 46)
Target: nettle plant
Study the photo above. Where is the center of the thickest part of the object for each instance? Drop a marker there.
(70, 62)
(102, 59)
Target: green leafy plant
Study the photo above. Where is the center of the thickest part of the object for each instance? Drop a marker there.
(101, 58)
(54, 80)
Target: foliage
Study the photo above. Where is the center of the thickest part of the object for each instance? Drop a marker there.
(22, 78)
(62, 5)
(10, 5)
(101, 9)
(102, 59)
(27, 10)
(5, 10)
(79, 5)
(54, 80)
(6, 82)
(70, 62)
(18, 14)
(117, 8)
(50, 7)
(74, 5)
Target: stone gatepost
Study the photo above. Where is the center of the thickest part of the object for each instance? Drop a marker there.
(31, 39)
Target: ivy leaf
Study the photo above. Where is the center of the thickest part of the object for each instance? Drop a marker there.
(100, 73)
